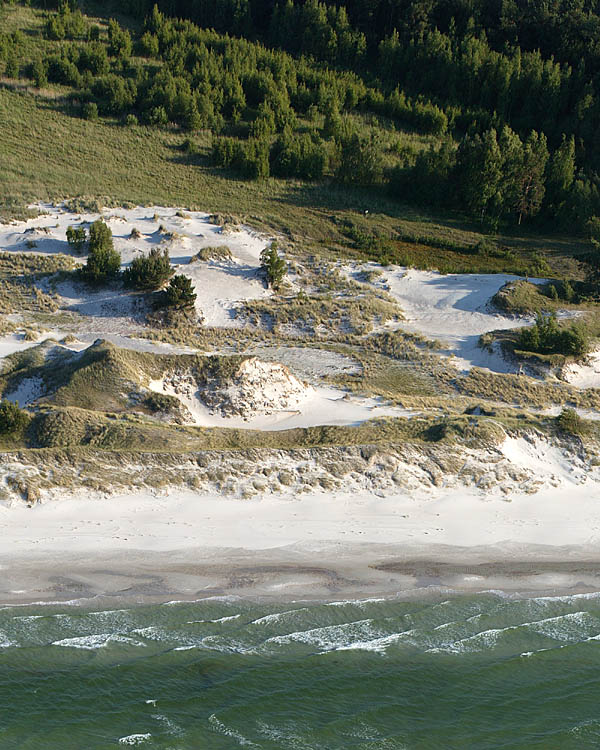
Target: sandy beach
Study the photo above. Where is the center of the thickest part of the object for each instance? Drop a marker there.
(182, 545)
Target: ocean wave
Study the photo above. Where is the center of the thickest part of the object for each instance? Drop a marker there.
(218, 726)
(567, 598)
(566, 627)
(378, 645)
(223, 598)
(5, 641)
(277, 616)
(285, 736)
(219, 619)
(478, 642)
(215, 643)
(134, 739)
(169, 726)
(95, 641)
(571, 627)
(332, 637)
(357, 602)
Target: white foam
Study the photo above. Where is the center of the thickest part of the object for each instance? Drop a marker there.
(134, 739)
(229, 732)
(170, 726)
(219, 619)
(276, 616)
(332, 637)
(95, 641)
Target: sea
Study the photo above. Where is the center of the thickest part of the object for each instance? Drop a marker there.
(443, 671)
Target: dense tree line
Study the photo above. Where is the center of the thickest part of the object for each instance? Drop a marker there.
(508, 87)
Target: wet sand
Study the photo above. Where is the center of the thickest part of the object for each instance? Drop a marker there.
(323, 572)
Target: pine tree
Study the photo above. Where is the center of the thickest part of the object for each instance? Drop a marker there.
(180, 292)
(149, 271)
(479, 164)
(103, 260)
(273, 265)
(530, 178)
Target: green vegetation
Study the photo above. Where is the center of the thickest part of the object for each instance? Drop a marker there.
(149, 272)
(221, 252)
(180, 292)
(161, 402)
(570, 422)
(546, 336)
(12, 419)
(103, 261)
(522, 297)
(76, 237)
(273, 265)
(20, 277)
(342, 112)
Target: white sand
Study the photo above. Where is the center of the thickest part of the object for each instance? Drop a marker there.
(584, 374)
(453, 309)
(319, 406)
(221, 285)
(567, 516)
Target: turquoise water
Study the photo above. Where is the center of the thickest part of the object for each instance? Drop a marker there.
(468, 672)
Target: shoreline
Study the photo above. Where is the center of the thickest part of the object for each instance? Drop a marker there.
(293, 574)
(147, 548)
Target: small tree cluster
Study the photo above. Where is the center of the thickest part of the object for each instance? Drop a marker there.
(69, 23)
(103, 260)
(149, 271)
(251, 158)
(547, 337)
(273, 265)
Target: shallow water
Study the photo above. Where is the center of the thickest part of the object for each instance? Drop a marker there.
(480, 671)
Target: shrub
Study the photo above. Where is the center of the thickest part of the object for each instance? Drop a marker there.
(569, 421)
(131, 121)
(180, 292)
(273, 265)
(547, 337)
(156, 402)
(90, 111)
(76, 238)
(298, 156)
(158, 116)
(103, 260)
(149, 271)
(12, 418)
(39, 73)
(360, 160)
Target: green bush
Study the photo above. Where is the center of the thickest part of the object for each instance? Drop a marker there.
(156, 402)
(547, 337)
(76, 238)
(12, 418)
(180, 292)
(39, 73)
(569, 421)
(360, 160)
(273, 265)
(90, 111)
(149, 271)
(298, 156)
(103, 260)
